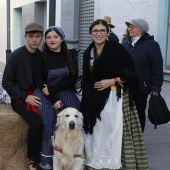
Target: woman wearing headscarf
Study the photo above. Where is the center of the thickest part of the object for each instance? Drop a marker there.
(112, 132)
(55, 74)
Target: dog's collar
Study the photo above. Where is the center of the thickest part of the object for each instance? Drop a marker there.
(61, 151)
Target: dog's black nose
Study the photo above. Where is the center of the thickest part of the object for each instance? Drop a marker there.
(72, 125)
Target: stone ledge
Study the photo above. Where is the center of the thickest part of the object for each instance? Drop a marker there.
(13, 130)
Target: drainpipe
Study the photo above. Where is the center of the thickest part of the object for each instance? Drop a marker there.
(8, 51)
(52, 12)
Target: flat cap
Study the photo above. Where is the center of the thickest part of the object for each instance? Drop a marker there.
(140, 23)
(33, 26)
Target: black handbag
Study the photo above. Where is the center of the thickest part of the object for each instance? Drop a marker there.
(158, 112)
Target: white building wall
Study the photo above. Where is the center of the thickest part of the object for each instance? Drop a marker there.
(58, 13)
(119, 10)
(3, 32)
(3, 29)
(123, 10)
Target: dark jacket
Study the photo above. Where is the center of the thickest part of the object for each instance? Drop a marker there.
(17, 75)
(147, 57)
(113, 37)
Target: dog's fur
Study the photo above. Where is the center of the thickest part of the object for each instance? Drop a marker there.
(68, 137)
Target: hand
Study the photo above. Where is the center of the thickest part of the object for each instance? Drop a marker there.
(103, 84)
(34, 100)
(45, 90)
(58, 104)
(154, 93)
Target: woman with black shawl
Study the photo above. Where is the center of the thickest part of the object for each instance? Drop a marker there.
(113, 136)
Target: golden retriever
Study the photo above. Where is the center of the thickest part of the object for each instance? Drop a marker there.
(68, 142)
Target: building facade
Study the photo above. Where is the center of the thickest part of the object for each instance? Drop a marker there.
(75, 16)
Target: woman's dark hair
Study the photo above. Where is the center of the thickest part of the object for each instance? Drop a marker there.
(64, 49)
(97, 22)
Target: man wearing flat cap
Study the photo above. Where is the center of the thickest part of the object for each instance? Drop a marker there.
(147, 57)
(112, 35)
(19, 84)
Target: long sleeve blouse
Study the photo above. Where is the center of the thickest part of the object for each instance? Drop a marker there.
(42, 65)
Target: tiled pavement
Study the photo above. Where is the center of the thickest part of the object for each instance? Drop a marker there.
(157, 141)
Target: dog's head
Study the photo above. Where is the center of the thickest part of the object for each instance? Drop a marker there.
(70, 118)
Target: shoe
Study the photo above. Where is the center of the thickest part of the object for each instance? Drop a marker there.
(32, 163)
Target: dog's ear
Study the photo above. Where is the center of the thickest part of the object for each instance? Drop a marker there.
(81, 118)
(59, 117)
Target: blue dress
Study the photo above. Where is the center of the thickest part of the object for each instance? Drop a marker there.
(68, 98)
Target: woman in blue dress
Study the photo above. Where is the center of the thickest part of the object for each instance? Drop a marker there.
(55, 74)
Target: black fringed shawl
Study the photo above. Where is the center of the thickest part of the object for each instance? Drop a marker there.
(114, 61)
